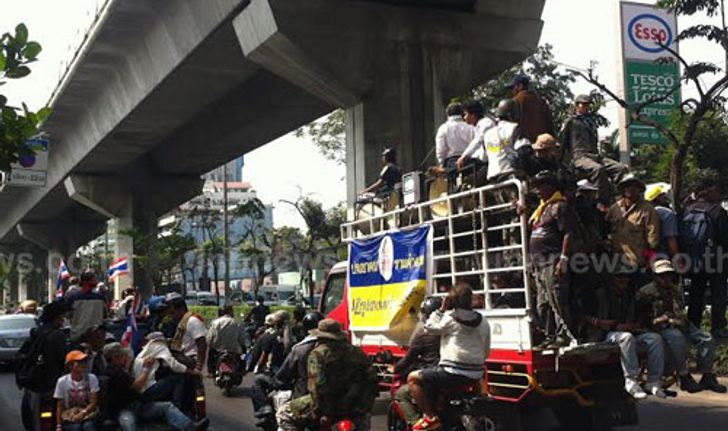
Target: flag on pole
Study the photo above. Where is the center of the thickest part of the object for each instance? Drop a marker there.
(118, 267)
(63, 274)
(131, 337)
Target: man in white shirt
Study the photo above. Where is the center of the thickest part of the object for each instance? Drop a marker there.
(190, 337)
(453, 137)
(475, 116)
(225, 335)
(502, 141)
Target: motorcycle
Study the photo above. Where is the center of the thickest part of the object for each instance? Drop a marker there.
(463, 408)
(228, 373)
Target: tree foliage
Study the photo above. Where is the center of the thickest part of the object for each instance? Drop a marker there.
(329, 135)
(683, 135)
(17, 123)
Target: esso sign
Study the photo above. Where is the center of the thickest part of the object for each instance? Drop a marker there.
(648, 31)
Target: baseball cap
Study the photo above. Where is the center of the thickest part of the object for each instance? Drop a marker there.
(518, 79)
(661, 266)
(583, 98)
(586, 185)
(75, 356)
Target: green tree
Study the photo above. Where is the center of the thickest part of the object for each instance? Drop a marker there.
(172, 250)
(17, 124)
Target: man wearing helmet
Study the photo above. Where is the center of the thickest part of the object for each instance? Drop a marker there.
(389, 177)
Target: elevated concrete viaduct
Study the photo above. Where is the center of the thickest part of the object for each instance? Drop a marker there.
(166, 91)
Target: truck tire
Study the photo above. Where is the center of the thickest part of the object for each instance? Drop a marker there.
(576, 418)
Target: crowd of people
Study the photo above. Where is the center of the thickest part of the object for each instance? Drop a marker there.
(608, 255)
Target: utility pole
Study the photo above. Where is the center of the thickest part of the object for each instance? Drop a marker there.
(225, 229)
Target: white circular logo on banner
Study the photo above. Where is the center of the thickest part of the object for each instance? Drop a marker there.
(386, 258)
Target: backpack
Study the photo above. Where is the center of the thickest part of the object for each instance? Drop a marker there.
(697, 234)
(30, 370)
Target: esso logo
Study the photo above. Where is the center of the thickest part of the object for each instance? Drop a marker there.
(647, 31)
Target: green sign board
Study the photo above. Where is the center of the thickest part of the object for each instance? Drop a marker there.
(645, 80)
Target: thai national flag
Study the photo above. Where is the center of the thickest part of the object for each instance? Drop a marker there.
(63, 274)
(132, 337)
(118, 267)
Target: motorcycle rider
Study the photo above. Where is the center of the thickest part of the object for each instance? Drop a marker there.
(255, 318)
(423, 352)
(341, 382)
(226, 334)
(464, 346)
(291, 376)
(266, 357)
(125, 400)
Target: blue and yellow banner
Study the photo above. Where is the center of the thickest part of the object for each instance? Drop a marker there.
(388, 276)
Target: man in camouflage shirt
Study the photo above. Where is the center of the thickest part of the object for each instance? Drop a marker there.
(336, 391)
(663, 307)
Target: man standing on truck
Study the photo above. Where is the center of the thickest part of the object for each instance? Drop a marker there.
(453, 138)
(464, 347)
(552, 225)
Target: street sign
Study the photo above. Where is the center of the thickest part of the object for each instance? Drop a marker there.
(31, 170)
(648, 69)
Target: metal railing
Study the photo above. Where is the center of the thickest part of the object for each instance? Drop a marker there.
(481, 237)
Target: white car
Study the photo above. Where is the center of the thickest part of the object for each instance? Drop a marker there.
(14, 330)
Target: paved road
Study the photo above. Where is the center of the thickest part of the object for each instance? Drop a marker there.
(700, 412)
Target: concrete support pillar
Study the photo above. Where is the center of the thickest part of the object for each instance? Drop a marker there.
(22, 286)
(401, 112)
(53, 261)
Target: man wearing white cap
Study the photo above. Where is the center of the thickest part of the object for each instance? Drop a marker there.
(663, 299)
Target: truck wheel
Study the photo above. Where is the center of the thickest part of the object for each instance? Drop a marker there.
(575, 418)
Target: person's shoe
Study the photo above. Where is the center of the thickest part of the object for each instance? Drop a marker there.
(720, 334)
(710, 383)
(634, 389)
(264, 411)
(655, 389)
(427, 423)
(545, 343)
(201, 425)
(689, 385)
(560, 341)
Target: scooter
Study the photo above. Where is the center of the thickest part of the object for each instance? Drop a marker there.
(229, 373)
(462, 408)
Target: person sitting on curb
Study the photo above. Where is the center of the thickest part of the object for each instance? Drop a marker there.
(662, 301)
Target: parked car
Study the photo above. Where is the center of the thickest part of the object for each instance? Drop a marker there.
(14, 330)
(208, 298)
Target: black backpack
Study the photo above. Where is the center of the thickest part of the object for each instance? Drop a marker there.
(697, 234)
(31, 371)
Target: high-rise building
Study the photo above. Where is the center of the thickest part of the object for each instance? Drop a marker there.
(234, 171)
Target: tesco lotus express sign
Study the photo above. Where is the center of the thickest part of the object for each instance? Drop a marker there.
(648, 32)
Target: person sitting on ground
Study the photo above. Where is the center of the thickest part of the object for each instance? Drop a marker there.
(580, 139)
(88, 308)
(625, 329)
(226, 334)
(291, 376)
(423, 352)
(502, 142)
(535, 117)
(464, 347)
(76, 395)
(475, 116)
(663, 299)
(341, 382)
(389, 177)
(124, 393)
(167, 378)
(452, 138)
